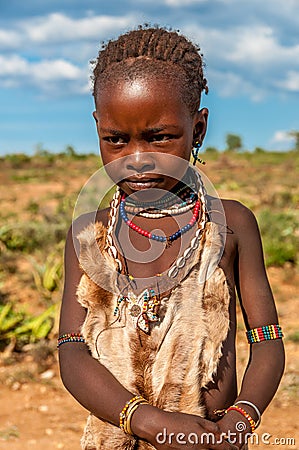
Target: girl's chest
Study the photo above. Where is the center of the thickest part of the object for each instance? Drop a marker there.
(144, 257)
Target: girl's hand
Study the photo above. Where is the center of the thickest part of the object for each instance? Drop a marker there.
(177, 431)
(235, 427)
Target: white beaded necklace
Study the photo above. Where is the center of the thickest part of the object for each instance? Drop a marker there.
(157, 214)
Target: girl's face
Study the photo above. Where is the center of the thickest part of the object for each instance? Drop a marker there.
(143, 125)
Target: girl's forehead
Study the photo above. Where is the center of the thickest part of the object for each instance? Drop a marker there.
(152, 90)
(146, 82)
(155, 75)
(141, 102)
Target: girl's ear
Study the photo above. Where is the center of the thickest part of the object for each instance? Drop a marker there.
(95, 116)
(200, 124)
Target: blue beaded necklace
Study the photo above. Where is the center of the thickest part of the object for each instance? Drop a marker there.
(155, 237)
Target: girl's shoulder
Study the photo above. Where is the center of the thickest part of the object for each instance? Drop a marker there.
(240, 219)
(84, 220)
(78, 225)
(231, 212)
(236, 210)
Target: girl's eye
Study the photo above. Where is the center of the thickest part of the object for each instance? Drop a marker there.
(160, 137)
(115, 140)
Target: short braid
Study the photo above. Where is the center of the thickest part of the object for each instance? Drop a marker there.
(157, 44)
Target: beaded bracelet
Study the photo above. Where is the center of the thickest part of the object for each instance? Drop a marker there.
(132, 408)
(127, 412)
(69, 337)
(245, 414)
(253, 406)
(265, 333)
(234, 407)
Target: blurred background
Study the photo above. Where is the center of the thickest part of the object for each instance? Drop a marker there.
(49, 149)
(250, 49)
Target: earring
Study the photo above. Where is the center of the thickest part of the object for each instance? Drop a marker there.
(195, 151)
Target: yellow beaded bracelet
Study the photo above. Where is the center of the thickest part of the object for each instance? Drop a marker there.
(127, 412)
(131, 410)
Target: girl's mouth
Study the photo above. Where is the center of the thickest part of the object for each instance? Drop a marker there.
(138, 183)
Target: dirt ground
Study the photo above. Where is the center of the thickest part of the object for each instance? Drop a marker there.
(37, 412)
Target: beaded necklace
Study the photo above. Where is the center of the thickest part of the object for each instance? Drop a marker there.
(110, 247)
(168, 239)
(144, 308)
(168, 199)
(155, 213)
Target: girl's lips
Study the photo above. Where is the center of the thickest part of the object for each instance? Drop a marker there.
(142, 183)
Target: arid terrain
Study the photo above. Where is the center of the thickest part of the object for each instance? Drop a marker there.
(37, 200)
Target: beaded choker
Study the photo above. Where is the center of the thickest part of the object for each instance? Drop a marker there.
(156, 213)
(166, 200)
(168, 239)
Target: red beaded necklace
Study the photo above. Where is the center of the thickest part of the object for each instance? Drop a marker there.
(167, 239)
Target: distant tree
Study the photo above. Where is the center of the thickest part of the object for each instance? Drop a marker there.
(295, 134)
(259, 150)
(40, 150)
(233, 142)
(70, 151)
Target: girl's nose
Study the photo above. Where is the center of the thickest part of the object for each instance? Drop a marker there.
(140, 162)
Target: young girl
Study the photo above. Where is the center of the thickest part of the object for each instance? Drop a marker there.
(148, 318)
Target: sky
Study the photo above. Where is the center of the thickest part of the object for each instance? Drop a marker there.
(251, 54)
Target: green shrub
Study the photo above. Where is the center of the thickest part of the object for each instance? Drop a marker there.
(22, 328)
(280, 237)
(47, 276)
(29, 236)
(17, 160)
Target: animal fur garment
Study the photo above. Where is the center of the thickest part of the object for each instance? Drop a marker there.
(178, 358)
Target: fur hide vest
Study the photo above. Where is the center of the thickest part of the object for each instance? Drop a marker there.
(180, 355)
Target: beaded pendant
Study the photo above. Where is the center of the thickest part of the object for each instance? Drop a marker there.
(143, 308)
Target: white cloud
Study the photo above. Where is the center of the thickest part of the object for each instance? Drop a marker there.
(291, 81)
(259, 47)
(246, 54)
(58, 27)
(256, 46)
(55, 47)
(282, 136)
(16, 71)
(10, 39)
(13, 65)
(248, 60)
(55, 70)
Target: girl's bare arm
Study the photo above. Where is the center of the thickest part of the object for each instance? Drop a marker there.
(266, 360)
(87, 380)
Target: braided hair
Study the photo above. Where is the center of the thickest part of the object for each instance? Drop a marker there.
(154, 51)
